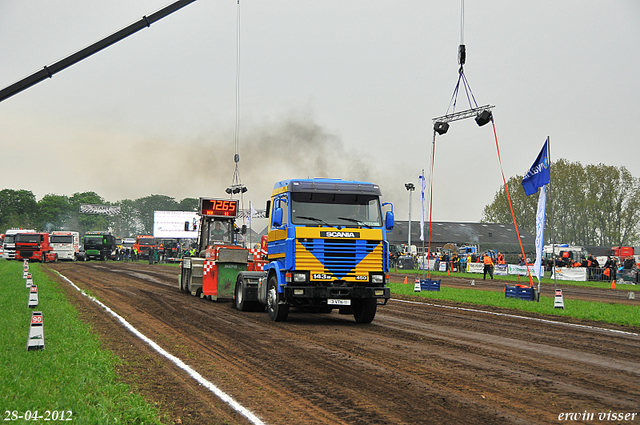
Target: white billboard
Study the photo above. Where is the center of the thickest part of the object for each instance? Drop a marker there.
(175, 224)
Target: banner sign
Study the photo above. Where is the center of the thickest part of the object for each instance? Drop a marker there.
(518, 270)
(571, 273)
(500, 270)
(99, 209)
(475, 268)
(175, 224)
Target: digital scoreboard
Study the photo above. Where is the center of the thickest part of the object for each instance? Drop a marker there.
(218, 207)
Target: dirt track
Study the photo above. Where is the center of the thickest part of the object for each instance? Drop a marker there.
(415, 363)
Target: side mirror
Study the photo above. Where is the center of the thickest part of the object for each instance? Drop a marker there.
(267, 209)
(277, 217)
(389, 221)
(244, 229)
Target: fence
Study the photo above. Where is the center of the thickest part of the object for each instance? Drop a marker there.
(562, 273)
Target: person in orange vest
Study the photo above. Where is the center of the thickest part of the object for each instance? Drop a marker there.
(500, 258)
(488, 266)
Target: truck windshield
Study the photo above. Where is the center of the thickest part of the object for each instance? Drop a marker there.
(147, 241)
(93, 242)
(10, 239)
(220, 231)
(61, 239)
(28, 238)
(335, 209)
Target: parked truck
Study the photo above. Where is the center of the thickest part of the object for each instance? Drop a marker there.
(34, 247)
(65, 244)
(326, 250)
(98, 245)
(144, 245)
(9, 245)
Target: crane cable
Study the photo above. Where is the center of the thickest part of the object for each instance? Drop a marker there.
(462, 58)
(236, 183)
(462, 55)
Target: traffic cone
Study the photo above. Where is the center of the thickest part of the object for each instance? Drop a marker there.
(448, 271)
(405, 280)
(613, 284)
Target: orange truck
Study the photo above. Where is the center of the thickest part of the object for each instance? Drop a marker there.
(144, 244)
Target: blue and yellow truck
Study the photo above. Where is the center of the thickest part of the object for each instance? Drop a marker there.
(327, 249)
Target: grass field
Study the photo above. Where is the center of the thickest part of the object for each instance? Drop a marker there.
(72, 376)
(621, 314)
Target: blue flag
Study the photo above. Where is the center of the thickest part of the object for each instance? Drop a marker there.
(538, 175)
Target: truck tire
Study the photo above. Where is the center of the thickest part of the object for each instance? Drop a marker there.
(364, 310)
(241, 298)
(277, 312)
(184, 281)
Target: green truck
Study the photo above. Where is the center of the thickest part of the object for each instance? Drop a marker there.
(98, 245)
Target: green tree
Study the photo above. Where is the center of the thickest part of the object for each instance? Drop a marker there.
(592, 205)
(54, 212)
(18, 208)
(127, 223)
(146, 207)
(188, 204)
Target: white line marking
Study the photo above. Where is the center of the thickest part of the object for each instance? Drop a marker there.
(195, 375)
(518, 317)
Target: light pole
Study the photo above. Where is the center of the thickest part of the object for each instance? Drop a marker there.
(410, 187)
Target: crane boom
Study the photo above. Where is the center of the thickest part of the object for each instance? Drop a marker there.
(49, 71)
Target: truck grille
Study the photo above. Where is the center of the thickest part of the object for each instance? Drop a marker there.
(342, 258)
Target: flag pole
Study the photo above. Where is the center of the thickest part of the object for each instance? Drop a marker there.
(552, 216)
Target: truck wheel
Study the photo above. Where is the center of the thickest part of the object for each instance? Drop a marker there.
(184, 281)
(241, 305)
(364, 310)
(55, 258)
(277, 312)
(241, 298)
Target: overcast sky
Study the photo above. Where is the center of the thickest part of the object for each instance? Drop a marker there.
(343, 89)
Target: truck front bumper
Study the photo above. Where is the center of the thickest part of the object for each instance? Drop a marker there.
(341, 292)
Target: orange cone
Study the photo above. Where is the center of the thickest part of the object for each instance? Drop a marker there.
(448, 271)
(613, 284)
(405, 280)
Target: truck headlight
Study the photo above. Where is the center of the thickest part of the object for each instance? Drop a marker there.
(377, 278)
(378, 292)
(299, 277)
(298, 292)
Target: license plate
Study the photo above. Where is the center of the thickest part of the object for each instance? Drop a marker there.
(338, 302)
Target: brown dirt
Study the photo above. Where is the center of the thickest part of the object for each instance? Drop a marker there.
(416, 363)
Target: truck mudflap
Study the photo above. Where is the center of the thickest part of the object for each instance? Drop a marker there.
(338, 293)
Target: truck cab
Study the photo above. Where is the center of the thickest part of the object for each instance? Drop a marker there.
(9, 244)
(65, 244)
(34, 247)
(327, 249)
(144, 245)
(98, 245)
